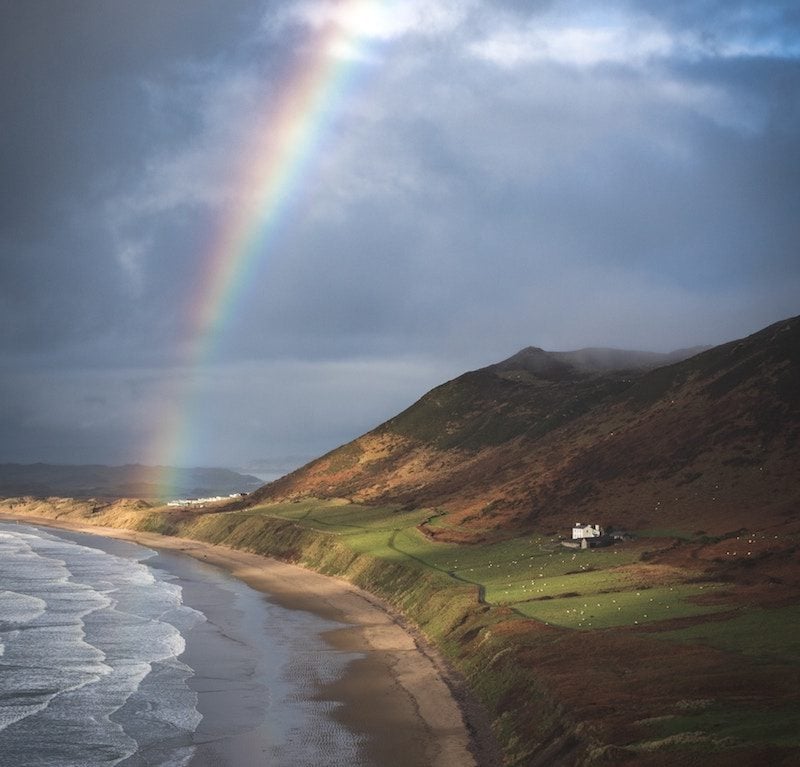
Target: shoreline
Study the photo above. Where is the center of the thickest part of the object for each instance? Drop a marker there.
(411, 707)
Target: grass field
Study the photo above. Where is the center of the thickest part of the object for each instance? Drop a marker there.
(624, 607)
(770, 635)
(595, 590)
(534, 575)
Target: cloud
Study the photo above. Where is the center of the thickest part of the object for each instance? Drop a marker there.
(373, 20)
(587, 35)
(573, 45)
(443, 173)
(559, 173)
(130, 255)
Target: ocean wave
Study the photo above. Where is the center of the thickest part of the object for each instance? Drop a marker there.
(20, 608)
(85, 634)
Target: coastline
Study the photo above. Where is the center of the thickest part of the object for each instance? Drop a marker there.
(411, 708)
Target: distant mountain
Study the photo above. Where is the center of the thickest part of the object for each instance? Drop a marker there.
(705, 441)
(108, 482)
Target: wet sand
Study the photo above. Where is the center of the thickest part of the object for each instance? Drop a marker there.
(411, 710)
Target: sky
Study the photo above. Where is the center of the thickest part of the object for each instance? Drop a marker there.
(488, 176)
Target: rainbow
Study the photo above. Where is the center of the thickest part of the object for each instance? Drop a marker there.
(293, 127)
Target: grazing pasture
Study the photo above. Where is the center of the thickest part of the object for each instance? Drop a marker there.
(532, 574)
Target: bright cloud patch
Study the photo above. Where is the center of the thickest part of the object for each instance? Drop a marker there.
(573, 45)
(573, 40)
(374, 20)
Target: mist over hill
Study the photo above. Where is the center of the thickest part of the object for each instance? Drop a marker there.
(592, 360)
(705, 439)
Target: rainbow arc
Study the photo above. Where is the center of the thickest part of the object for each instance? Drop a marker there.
(293, 128)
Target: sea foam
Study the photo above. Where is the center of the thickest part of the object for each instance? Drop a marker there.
(84, 635)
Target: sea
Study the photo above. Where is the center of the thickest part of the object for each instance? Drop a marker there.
(112, 653)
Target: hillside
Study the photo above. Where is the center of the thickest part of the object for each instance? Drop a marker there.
(110, 482)
(677, 645)
(545, 438)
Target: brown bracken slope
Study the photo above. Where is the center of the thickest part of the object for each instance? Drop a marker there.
(543, 439)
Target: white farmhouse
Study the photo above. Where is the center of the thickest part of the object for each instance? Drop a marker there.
(587, 537)
(579, 531)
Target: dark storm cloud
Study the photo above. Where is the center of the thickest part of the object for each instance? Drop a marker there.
(71, 92)
(77, 127)
(558, 173)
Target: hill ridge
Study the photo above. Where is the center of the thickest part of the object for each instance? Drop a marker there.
(531, 442)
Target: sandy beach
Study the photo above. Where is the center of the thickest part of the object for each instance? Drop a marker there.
(412, 711)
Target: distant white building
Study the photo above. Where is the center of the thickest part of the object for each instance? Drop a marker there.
(587, 537)
(183, 502)
(579, 531)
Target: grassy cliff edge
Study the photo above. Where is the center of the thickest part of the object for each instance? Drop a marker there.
(650, 653)
(531, 727)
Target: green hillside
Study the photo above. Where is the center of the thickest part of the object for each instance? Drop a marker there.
(676, 645)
